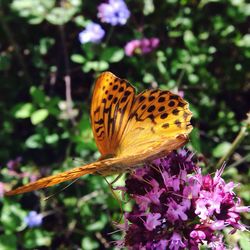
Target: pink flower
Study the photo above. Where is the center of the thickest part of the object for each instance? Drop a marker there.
(152, 221)
(1, 189)
(198, 235)
(176, 207)
(176, 212)
(142, 46)
(176, 242)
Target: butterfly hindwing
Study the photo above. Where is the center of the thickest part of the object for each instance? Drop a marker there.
(157, 118)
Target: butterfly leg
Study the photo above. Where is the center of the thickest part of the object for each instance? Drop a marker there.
(115, 196)
(115, 180)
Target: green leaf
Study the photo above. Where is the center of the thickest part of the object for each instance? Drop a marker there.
(189, 39)
(96, 66)
(35, 238)
(23, 110)
(244, 241)
(34, 10)
(34, 141)
(195, 139)
(12, 217)
(148, 7)
(244, 42)
(80, 21)
(112, 54)
(221, 149)
(37, 95)
(4, 61)
(8, 242)
(77, 58)
(52, 139)
(89, 244)
(117, 56)
(61, 15)
(45, 44)
(39, 116)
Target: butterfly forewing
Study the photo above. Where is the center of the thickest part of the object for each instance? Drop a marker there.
(112, 101)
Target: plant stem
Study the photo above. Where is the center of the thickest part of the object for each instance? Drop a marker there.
(180, 77)
(235, 144)
(111, 30)
(243, 159)
(67, 78)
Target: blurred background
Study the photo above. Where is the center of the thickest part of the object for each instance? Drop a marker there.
(51, 52)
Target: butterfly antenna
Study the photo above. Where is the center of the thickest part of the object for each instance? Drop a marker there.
(58, 192)
(115, 196)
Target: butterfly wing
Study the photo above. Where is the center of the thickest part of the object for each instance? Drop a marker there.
(133, 128)
(111, 105)
(159, 120)
(95, 167)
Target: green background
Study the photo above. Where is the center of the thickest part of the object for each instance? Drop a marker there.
(204, 52)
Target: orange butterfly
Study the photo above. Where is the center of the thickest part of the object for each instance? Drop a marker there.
(129, 129)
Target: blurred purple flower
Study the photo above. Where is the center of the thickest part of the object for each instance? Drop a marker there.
(143, 46)
(1, 189)
(115, 12)
(176, 207)
(92, 33)
(33, 219)
(14, 164)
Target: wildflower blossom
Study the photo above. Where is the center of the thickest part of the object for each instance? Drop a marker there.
(14, 164)
(1, 189)
(115, 12)
(143, 46)
(33, 219)
(92, 33)
(176, 207)
(14, 169)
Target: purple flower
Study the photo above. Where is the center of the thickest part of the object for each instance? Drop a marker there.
(1, 189)
(152, 221)
(93, 33)
(176, 242)
(33, 219)
(176, 207)
(115, 12)
(143, 46)
(14, 164)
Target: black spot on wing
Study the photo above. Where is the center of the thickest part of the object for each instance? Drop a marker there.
(141, 98)
(165, 125)
(151, 98)
(164, 116)
(177, 123)
(151, 108)
(171, 104)
(175, 112)
(162, 108)
(161, 99)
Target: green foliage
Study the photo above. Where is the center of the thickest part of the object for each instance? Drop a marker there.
(203, 53)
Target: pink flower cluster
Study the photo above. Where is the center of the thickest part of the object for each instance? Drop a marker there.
(142, 46)
(176, 207)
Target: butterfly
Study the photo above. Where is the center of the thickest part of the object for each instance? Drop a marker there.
(129, 129)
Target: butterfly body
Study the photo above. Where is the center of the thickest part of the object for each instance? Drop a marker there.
(129, 129)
